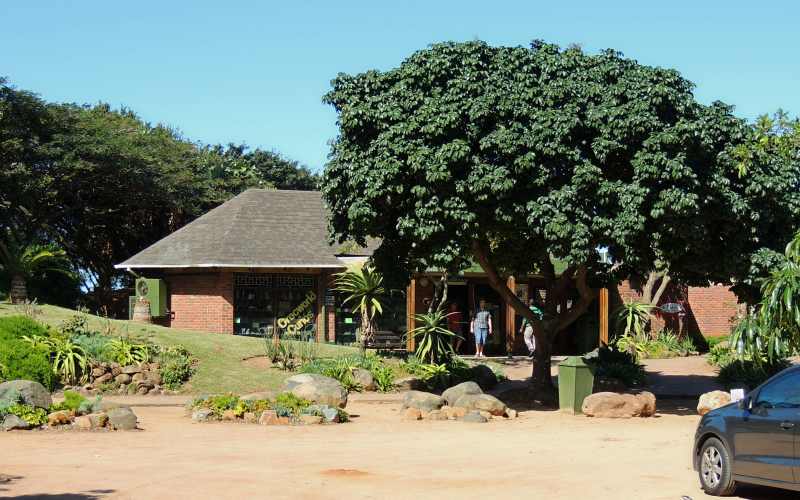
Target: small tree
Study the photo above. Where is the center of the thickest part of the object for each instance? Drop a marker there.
(21, 262)
(780, 307)
(363, 287)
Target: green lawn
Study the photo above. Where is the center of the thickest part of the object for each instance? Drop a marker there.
(221, 367)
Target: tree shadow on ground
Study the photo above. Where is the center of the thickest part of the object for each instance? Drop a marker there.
(520, 395)
(6, 479)
(681, 407)
(88, 495)
(687, 386)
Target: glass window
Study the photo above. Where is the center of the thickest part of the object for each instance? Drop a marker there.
(265, 304)
(781, 393)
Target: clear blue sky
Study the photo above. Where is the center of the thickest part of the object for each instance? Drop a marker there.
(255, 72)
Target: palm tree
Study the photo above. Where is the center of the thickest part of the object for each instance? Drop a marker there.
(23, 261)
(363, 287)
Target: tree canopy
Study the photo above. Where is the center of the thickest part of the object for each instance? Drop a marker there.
(517, 157)
(102, 184)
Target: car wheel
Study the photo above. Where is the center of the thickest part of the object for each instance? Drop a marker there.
(716, 476)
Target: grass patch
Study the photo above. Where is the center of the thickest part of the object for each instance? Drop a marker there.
(220, 368)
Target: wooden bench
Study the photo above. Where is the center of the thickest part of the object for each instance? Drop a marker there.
(386, 340)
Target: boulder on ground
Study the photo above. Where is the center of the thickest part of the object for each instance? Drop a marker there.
(123, 378)
(154, 377)
(424, 401)
(104, 378)
(453, 412)
(317, 389)
(83, 423)
(712, 400)
(202, 414)
(412, 414)
(269, 417)
(122, 418)
(484, 376)
(12, 422)
(329, 413)
(132, 369)
(364, 378)
(615, 405)
(250, 417)
(32, 393)
(482, 402)
(435, 415)
(61, 417)
(474, 417)
(410, 384)
(511, 413)
(229, 415)
(116, 369)
(98, 371)
(452, 394)
(98, 420)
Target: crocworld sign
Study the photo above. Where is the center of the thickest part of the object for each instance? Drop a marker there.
(299, 317)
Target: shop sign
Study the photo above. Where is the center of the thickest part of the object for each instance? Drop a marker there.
(299, 317)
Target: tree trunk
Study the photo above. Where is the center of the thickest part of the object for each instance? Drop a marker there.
(555, 320)
(542, 380)
(19, 290)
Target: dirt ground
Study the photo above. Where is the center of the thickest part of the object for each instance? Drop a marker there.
(542, 454)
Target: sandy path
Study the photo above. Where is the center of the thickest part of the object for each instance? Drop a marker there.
(540, 455)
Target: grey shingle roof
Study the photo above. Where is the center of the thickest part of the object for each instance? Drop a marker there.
(258, 228)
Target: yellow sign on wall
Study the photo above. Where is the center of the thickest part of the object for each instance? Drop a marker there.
(300, 316)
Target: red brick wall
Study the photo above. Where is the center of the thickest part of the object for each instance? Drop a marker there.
(709, 309)
(713, 307)
(202, 301)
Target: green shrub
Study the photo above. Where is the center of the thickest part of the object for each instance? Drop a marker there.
(16, 327)
(73, 400)
(77, 324)
(177, 366)
(384, 378)
(617, 364)
(95, 346)
(292, 402)
(715, 341)
(748, 373)
(127, 352)
(34, 416)
(21, 360)
(721, 354)
(340, 369)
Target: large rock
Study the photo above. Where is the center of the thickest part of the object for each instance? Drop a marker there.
(31, 393)
(474, 417)
(364, 378)
(102, 379)
(712, 400)
(484, 376)
(61, 417)
(123, 378)
(202, 415)
(12, 422)
(410, 384)
(481, 402)
(615, 405)
(98, 420)
(83, 423)
(317, 389)
(132, 369)
(452, 394)
(424, 401)
(122, 419)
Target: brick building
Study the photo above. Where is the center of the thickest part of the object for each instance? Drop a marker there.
(261, 262)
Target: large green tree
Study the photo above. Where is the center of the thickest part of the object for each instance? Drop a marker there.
(519, 157)
(103, 184)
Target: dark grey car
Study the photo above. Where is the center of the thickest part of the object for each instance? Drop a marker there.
(752, 441)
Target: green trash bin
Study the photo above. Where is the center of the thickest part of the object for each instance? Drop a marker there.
(575, 382)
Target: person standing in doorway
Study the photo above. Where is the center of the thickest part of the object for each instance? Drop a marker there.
(481, 328)
(527, 328)
(455, 323)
